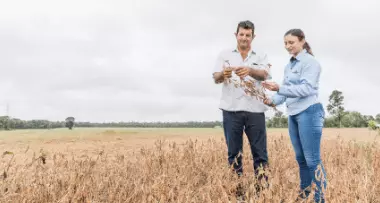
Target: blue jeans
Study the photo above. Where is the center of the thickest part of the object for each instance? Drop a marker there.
(253, 124)
(305, 131)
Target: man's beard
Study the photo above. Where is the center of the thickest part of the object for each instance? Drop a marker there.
(244, 47)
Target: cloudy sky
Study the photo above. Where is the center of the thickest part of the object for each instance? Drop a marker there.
(89, 58)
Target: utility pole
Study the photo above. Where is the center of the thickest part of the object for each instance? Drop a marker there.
(7, 127)
(7, 112)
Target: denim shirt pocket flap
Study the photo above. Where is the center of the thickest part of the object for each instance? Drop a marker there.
(296, 70)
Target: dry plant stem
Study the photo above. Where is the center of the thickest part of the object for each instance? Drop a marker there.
(248, 84)
(192, 171)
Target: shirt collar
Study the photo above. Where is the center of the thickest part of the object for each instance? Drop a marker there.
(299, 56)
(237, 51)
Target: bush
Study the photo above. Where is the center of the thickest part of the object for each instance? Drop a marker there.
(372, 125)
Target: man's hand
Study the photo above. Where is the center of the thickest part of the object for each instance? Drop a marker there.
(270, 85)
(227, 72)
(220, 76)
(242, 71)
(258, 74)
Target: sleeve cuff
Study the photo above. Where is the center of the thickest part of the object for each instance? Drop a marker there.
(282, 90)
(274, 100)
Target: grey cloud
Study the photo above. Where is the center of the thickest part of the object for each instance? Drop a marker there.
(150, 60)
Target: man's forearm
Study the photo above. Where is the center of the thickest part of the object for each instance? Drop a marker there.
(258, 74)
(218, 77)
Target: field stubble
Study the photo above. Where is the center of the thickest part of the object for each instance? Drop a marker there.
(104, 168)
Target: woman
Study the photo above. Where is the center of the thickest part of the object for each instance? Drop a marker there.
(299, 90)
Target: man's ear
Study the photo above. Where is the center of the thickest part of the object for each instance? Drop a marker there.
(253, 36)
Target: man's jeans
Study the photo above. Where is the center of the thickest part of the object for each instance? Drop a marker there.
(305, 131)
(253, 124)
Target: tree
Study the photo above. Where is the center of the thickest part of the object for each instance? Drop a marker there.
(377, 118)
(278, 121)
(70, 122)
(335, 106)
(5, 122)
(330, 122)
(368, 118)
(354, 119)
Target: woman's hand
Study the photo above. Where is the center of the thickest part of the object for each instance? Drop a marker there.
(270, 85)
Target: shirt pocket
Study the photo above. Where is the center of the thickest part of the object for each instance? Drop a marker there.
(294, 75)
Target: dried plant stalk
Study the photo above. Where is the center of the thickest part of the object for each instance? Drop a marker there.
(248, 84)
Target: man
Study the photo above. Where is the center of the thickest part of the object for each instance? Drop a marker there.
(242, 112)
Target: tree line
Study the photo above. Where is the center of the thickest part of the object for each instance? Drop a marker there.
(339, 117)
(7, 123)
(351, 119)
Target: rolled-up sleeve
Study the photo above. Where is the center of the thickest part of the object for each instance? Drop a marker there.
(218, 67)
(278, 99)
(308, 82)
(264, 64)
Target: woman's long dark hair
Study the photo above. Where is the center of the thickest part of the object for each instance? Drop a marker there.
(300, 35)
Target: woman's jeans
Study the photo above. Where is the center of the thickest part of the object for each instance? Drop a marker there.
(305, 131)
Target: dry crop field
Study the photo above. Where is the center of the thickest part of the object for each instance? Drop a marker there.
(173, 165)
